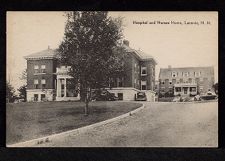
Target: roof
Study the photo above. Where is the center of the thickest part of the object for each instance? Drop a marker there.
(48, 54)
(165, 73)
(140, 54)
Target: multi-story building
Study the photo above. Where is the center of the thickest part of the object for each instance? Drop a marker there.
(41, 67)
(49, 80)
(140, 75)
(185, 81)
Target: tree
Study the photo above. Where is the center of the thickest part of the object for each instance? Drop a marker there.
(22, 89)
(90, 48)
(10, 93)
(22, 92)
(24, 75)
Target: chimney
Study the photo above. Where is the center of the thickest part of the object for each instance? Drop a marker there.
(126, 42)
(48, 47)
(169, 66)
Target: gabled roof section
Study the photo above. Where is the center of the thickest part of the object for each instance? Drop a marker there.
(45, 54)
(139, 54)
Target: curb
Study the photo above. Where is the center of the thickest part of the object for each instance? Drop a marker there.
(50, 138)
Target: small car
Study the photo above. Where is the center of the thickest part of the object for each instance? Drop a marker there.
(141, 96)
(104, 95)
(209, 96)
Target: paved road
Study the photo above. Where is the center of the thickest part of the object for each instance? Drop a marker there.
(157, 125)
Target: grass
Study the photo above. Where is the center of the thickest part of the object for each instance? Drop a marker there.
(26, 121)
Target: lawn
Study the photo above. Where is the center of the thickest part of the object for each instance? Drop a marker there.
(26, 121)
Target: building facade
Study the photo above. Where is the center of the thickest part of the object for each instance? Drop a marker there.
(41, 68)
(187, 81)
(48, 80)
(140, 75)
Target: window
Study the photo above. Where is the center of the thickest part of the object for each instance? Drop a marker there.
(174, 74)
(170, 82)
(185, 74)
(197, 74)
(43, 83)
(178, 89)
(197, 80)
(35, 97)
(143, 70)
(36, 83)
(119, 82)
(135, 81)
(42, 97)
(192, 89)
(190, 80)
(143, 85)
(36, 68)
(43, 67)
(163, 82)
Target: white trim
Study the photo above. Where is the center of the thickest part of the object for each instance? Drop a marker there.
(123, 88)
(37, 90)
(39, 73)
(38, 58)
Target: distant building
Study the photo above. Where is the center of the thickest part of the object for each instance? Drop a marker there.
(47, 79)
(185, 81)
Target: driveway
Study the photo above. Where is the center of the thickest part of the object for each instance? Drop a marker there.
(157, 125)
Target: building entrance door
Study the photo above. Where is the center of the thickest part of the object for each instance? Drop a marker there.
(35, 97)
(120, 96)
(185, 90)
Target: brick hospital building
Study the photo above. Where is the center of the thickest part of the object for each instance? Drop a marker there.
(48, 80)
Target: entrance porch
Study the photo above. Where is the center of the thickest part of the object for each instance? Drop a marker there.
(66, 89)
(185, 89)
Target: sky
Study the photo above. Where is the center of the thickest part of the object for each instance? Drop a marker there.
(178, 45)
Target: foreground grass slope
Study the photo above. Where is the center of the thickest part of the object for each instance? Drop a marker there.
(25, 121)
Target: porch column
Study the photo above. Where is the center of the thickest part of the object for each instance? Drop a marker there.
(64, 87)
(58, 87)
